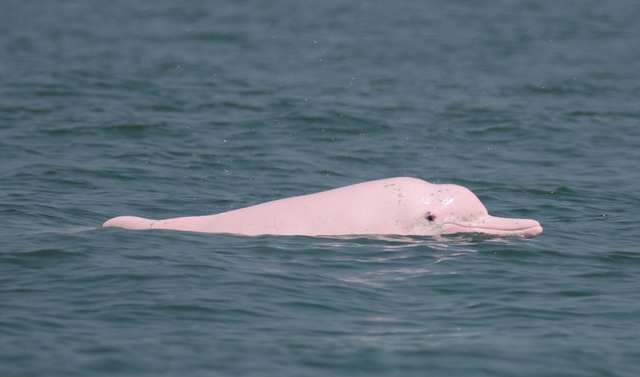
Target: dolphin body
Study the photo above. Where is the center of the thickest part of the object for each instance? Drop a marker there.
(394, 206)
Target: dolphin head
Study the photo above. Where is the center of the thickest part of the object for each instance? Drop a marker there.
(450, 209)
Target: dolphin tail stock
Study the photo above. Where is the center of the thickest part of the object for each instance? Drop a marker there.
(129, 222)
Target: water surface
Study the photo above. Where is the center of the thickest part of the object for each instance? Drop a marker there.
(159, 109)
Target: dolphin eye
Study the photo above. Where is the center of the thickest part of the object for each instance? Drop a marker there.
(430, 217)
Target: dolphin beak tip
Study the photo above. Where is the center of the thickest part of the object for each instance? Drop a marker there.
(534, 231)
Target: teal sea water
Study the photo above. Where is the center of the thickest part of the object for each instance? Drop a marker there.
(163, 109)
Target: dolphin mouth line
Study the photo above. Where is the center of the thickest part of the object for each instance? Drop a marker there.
(514, 229)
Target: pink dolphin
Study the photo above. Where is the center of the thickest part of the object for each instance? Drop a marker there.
(398, 206)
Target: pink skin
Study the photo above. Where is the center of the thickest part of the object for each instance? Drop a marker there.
(400, 206)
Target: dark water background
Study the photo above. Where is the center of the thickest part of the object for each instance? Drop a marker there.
(163, 109)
